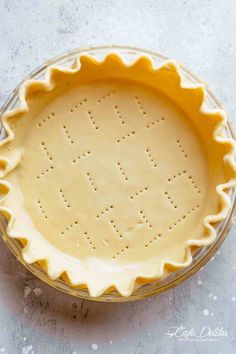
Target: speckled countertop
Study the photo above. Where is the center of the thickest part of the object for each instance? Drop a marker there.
(35, 318)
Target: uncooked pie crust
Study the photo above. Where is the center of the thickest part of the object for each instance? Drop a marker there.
(114, 172)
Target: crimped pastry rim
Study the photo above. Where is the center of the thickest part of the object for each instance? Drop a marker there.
(221, 189)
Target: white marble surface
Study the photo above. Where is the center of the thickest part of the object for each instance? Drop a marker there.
(35, 318)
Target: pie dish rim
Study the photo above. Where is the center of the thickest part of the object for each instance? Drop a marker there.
(6, 107)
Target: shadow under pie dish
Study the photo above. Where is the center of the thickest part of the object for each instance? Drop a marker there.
(114, 173)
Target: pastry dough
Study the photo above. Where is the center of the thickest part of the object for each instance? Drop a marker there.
(113, 172)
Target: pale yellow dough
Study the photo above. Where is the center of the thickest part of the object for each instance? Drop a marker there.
(114, 173)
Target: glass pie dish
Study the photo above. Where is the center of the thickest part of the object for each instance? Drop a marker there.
(201, 255)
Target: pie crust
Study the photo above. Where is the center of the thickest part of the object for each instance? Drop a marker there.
(114, 173)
